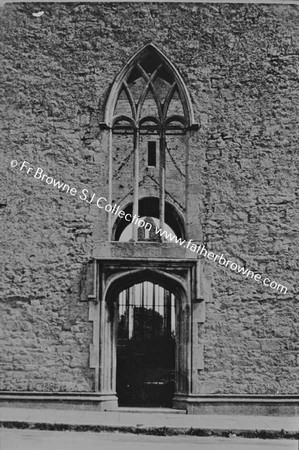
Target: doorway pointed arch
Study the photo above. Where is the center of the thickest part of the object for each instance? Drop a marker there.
(117, 281)
(124, 280)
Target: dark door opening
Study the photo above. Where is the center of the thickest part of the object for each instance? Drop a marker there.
(146, 346)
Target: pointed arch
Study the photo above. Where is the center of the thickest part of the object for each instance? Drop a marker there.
(118, 283)
(149, 62)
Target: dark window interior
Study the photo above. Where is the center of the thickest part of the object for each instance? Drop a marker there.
(151, 154)
(149, 207)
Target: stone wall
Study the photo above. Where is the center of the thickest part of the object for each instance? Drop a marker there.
(239, 65)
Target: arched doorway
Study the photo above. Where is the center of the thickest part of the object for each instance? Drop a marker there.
(117, 280)
(145, 346)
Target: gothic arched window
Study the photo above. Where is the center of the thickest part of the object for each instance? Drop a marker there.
(148, 101)
(150, 95)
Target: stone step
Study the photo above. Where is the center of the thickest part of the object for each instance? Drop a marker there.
(149, 410)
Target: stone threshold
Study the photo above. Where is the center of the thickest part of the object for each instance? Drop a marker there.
(148, 410)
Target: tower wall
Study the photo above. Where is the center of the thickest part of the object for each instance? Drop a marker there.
(238, 63)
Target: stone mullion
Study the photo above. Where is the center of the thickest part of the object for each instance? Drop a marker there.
(110, 182)
(136, 183)
(162, 181)
(186, 184)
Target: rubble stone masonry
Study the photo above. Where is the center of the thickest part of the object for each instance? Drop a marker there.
(239, 63)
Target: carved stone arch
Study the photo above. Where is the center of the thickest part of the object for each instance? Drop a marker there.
(121, 83)
(116, 279)
(149, 108)
(122, 281)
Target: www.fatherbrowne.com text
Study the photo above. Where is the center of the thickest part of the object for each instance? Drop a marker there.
(102, 203)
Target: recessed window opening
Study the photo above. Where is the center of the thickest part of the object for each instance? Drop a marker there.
(148, 212)
(147, 232)
(151, 154)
